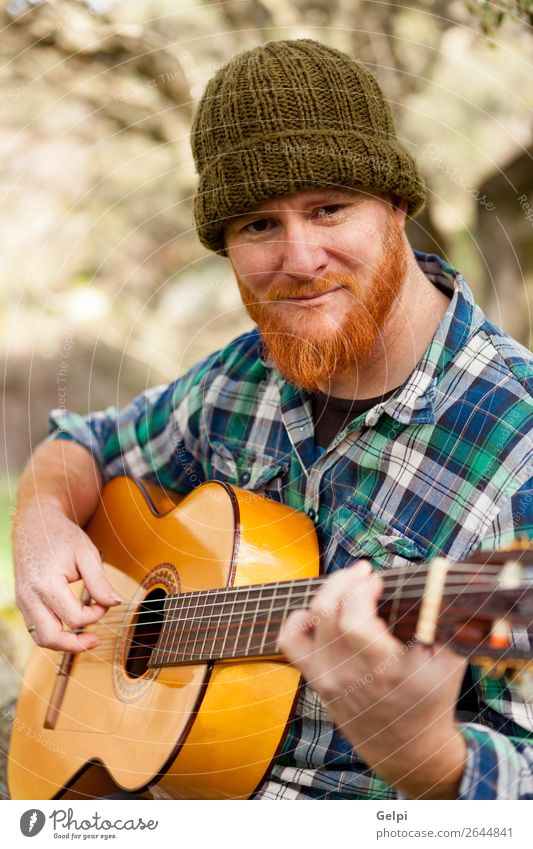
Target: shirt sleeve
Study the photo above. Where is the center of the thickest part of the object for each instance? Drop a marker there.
(497, 766)
(500, 750)
(156, 436)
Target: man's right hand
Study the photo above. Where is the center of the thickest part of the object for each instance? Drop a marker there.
(50, 551)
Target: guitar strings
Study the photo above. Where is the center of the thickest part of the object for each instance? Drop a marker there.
(101, 651)
(117, 615)
(387, 577)
(208, 644)
(305, 584)
(249, 620)
(297, 595)
(194, 654)
(233, 618)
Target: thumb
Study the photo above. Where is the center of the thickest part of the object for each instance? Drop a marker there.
(98, 585)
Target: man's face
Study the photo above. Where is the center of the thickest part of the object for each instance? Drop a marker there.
(318, 272)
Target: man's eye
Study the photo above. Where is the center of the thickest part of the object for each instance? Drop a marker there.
(258, 226)
(329, 211)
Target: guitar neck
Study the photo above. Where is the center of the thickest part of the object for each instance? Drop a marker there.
(234, 622)
(244, 622)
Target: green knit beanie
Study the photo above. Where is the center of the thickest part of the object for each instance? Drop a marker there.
(287, 116)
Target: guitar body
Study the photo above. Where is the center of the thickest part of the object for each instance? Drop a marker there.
(197, 730)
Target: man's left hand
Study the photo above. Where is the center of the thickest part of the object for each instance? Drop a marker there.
(395, 703)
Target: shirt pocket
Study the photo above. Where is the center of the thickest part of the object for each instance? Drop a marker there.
(359, 533)
(241, 466)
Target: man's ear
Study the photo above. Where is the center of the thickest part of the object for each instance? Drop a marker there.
(399, 208)
(398, 203)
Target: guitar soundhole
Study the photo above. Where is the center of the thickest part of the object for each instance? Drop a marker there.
(146, 630)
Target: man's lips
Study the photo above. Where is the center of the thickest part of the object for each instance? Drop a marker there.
(313, 298)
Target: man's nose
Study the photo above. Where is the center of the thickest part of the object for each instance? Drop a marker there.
(301, 255)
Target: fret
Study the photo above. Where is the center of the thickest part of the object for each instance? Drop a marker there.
(161, 649)
(207, 624)
(210, 622)
(276, 624)
(271, 638)
(397, 594)
(247, 610)
(236, 614)
(268, 619)
(249, 622)
(248, 643)
(246, 619)
(252, 649)
(188, 622)
(240, 625)
(227, 624)
(195, 626)
(222, 622)
(288, 607)
(173, 629)
(202, 622)
(310, 592)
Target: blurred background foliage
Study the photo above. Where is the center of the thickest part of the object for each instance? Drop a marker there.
(105, 288)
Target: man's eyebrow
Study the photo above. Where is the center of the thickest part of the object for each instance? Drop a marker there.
(319, 196)
(328, 194)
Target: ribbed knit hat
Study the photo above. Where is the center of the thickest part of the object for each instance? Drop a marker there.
(288, 116)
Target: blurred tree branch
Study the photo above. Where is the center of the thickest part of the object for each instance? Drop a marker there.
(132, 51)
(491, 14)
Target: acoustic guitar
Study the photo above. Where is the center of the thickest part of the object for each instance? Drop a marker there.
(186, 695)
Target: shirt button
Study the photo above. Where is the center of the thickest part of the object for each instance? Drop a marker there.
(312, 514)
(245, 477)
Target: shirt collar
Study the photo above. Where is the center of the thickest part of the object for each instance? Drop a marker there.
(413, 403)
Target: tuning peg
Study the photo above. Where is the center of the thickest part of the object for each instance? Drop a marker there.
(500, 634)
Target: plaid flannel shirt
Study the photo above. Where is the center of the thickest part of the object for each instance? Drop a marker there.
(443, 466)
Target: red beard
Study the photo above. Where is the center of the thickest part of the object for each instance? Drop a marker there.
(308, 360)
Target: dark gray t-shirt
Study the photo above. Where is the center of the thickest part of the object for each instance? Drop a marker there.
(331, 415)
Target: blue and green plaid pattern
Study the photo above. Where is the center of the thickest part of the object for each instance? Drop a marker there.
(443, 466)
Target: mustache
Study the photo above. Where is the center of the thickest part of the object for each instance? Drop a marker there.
(305, 289)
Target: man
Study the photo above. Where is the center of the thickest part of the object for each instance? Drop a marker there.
(373, 394)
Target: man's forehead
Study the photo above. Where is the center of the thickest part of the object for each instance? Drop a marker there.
(305, 196)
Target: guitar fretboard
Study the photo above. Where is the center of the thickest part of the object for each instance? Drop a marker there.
(240, 622)
(228, 623)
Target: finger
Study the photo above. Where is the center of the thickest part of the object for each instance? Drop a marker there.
(360, 624)
(49, 631)
(97, 584)
(295, 639)
(67, 607)
(322, 616)
(337, 591)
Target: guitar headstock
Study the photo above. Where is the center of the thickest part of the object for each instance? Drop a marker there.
(481, 608)
(490, 619)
